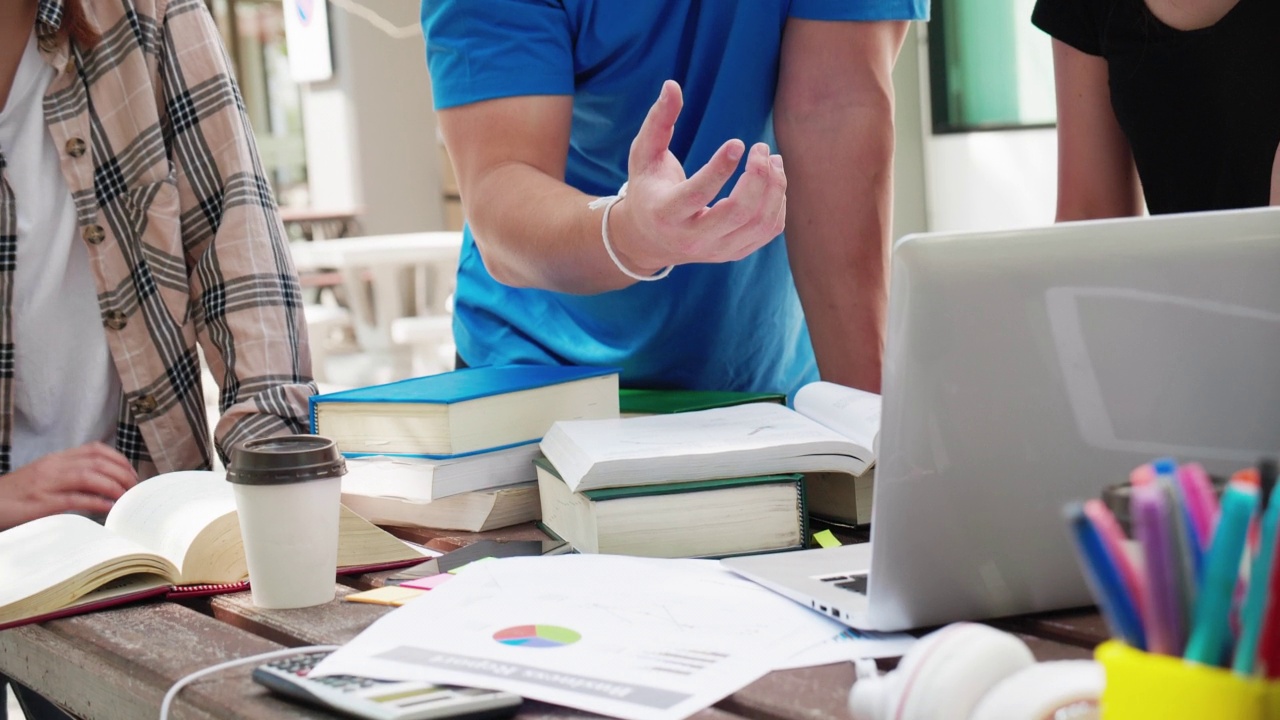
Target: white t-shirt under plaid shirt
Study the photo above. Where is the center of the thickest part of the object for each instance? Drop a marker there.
(58, 334)
(182, 231)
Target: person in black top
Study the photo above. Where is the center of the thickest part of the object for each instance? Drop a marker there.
(1183, 95)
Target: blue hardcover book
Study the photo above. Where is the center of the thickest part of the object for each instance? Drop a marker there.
(465, 411)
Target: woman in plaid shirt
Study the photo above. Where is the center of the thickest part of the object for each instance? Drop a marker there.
(135, 222)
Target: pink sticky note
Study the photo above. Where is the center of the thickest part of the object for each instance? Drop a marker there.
(427, 583)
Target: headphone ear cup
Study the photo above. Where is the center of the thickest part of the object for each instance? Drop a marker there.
(877, 698)
(1043, 690)
(943, 676)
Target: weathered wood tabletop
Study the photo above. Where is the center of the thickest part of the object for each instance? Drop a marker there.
(118, 664)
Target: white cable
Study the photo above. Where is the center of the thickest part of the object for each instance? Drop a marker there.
(607, 203)
(173, 691)
(373, 18)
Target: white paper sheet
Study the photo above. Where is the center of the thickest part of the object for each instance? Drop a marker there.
(848, 646)
(636, 638)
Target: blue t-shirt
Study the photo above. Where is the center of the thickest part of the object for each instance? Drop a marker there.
(728, 326)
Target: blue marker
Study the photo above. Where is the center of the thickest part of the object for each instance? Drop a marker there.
(1255, 600)
(1211, 624)
(1104, 579)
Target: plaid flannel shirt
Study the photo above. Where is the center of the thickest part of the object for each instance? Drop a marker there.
(182, 229)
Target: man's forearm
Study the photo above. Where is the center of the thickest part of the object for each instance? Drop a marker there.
(535, 231)
(839, 208)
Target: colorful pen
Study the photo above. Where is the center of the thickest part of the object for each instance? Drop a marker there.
(1267, 480)
(1185, 575)
(1269, 643)
(1210, 630)
(1255, 601)
(1151, 513)
(1114, 540)
(1201, 504)
(1104, 579)
(1142, 475)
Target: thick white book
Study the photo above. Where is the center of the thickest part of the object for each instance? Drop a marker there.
(472, 512)
(425, 479)
(739, 441)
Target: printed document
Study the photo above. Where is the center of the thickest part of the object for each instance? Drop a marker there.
(848, 646)
(636, 638)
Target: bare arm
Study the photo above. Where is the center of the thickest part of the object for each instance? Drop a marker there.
(533, 230)
(1275, 179)
(837, 138)
(1096, 175)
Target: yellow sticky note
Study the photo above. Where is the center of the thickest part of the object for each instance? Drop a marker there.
(826, 539)
(393, 595)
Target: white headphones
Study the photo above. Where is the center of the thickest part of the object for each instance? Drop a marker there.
(967, 671)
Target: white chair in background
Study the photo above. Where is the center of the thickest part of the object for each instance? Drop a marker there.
(390, 278)
(323, 323)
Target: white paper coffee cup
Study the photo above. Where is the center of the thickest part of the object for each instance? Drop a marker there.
(288, 494)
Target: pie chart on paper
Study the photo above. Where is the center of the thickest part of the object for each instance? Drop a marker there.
(537, 636)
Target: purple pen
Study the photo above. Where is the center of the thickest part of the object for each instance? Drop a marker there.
(1165, 623)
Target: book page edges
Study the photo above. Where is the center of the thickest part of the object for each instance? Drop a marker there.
(90, 603)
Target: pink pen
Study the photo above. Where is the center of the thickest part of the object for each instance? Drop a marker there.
(1144, 474)
(1114, 540)
(1202, 504)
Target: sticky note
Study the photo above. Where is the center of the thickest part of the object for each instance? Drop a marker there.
(394, 595)
(826, 539)
(429, 582)
(460, 568)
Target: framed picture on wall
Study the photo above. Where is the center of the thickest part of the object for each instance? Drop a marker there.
(989, 67)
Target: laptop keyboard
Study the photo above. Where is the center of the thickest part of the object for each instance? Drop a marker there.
(852, 583)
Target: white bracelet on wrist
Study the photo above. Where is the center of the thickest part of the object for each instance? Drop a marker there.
(607, 203)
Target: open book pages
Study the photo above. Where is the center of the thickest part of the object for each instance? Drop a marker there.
(851, 412)
(856, 415)
(426, 479)
(178, 528)
(472, 512)
(740, 441)
(58, 560)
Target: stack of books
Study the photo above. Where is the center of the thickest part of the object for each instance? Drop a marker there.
(455, 451)
(711, 482)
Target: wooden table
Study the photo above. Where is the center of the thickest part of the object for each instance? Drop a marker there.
(119, 663)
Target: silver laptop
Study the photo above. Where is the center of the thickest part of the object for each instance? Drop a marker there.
(1029, 368)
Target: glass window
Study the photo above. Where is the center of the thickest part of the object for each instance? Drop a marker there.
(253, 31)
(989, 67)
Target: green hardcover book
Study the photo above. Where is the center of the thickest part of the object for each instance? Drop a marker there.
(633, 402)
(709, 518)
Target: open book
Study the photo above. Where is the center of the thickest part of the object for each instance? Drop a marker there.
(173, 534)
(832, 429)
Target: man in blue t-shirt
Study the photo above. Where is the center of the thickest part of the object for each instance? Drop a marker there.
(547, 108)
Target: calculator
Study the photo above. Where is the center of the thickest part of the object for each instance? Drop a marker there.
(363, 697)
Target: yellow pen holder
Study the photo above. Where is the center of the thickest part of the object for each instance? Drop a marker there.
(1142, 686)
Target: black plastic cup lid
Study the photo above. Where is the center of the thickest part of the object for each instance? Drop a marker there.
(284, 460)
